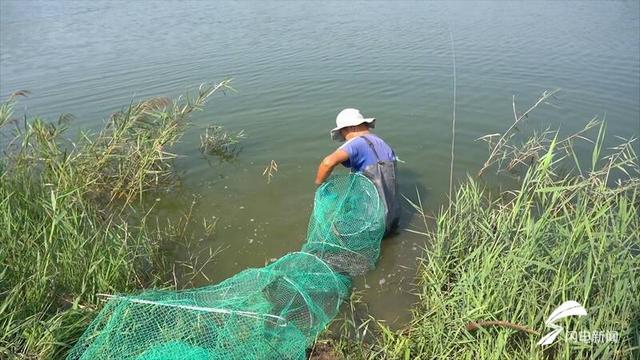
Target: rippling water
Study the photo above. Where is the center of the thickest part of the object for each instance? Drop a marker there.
(296, 65)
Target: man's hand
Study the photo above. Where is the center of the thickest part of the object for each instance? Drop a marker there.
(328, 163)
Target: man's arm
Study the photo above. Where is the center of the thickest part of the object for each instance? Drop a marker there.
(328, 163)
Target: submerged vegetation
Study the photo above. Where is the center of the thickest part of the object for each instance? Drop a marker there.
(69, 229)
(496, 266)
(217, 141)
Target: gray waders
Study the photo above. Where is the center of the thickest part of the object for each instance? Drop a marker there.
(384, 176)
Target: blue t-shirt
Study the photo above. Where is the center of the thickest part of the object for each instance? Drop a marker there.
(361, 155)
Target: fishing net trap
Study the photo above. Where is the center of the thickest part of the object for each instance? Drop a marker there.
(264, 313)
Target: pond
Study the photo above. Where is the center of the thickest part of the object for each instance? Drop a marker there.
(295, 66)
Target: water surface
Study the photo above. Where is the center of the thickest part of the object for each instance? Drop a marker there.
(295, 65)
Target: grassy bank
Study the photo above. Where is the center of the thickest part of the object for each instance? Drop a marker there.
(73, 222)
(496, 266)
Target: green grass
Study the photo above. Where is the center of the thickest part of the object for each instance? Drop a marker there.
(564, 234)
(73, 220)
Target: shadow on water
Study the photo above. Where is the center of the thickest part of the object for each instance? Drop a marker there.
(412, 187)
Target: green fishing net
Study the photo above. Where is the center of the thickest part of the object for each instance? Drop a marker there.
(266, 313)
(347, 224)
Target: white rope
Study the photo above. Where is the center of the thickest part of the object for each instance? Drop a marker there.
(280, 321)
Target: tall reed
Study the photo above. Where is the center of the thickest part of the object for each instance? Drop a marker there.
(68, 225)
(570, 231)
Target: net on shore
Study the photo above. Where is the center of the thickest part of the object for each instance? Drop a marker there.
(263, 313)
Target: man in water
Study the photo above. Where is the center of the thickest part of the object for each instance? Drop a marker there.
(366, 153)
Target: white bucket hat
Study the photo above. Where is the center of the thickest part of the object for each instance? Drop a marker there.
(349, 117)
